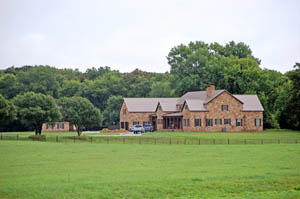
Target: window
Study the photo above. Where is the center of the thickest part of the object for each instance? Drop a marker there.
(209, 122)
(227, 121)
(124, 111)
(218, 121)
(224, 107)
(239, 122)
(197, 122)
(135, 122)
(60, 125)
(257, 122)
(49, 126)
(146, 122)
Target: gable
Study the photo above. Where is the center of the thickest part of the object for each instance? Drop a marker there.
(220, 93)
(224, 98)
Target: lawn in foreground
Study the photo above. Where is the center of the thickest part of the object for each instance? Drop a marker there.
(84, 170)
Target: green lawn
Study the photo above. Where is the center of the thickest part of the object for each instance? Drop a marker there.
(267, 134)
(85, 170)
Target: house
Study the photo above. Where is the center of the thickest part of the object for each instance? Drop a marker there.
(58, 127)
(210, 110)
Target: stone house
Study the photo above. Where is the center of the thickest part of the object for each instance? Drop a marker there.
(58, 127)
(210, 110)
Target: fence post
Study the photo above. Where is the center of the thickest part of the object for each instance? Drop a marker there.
(278, 141)
(245, 141)
(170, 141)
(91, 140)
(139, 140)
(199, 141)
(17, 136)
(228, 140)
(56, 138)
(262, 141)
(214, 141)
(155, 140)
(184, 140)
(296, 139)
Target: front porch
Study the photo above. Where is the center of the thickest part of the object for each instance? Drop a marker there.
(172, 122)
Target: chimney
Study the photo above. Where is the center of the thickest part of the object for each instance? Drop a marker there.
(209, 91)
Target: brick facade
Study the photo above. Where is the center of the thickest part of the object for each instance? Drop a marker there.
(58, 127)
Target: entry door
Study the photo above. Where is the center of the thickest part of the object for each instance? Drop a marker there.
(154, 123)
(126, 126)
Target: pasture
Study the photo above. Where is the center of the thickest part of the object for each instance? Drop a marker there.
(84, 170)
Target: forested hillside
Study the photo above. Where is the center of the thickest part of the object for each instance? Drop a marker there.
(194, 66)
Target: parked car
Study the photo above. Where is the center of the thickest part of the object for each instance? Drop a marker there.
(137, 129)
(148, 128)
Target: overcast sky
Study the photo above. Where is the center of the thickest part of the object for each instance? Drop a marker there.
(133, 34)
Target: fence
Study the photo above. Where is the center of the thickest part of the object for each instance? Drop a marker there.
(146, 140)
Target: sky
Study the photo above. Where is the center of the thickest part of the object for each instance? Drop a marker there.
(126, 35)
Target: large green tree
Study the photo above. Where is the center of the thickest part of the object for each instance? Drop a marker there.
(34, 109)
(8, 85)
(39, 79)
(79, 111)
(290, 117)
(112, 112)
(8, 111)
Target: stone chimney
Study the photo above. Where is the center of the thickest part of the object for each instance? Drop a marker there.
(209, 91)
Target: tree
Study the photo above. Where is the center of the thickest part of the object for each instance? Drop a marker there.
(112, 111)
(39, 79)
(79, 111)
(291, 113)
(8, 85)
(8, 111)
(34, 109)
(70, 88)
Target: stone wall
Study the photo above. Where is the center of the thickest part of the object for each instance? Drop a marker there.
(130, 117)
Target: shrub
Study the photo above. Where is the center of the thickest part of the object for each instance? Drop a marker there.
(37, 137)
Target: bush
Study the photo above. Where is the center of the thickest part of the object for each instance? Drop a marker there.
(37, 137)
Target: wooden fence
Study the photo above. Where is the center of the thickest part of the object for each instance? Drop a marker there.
(146, 140)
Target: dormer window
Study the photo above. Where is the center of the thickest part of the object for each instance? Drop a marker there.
(224, 107)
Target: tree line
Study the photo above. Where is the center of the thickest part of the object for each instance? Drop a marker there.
(192, 67)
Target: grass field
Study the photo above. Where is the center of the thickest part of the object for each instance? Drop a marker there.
(267, 134)
(67, 170)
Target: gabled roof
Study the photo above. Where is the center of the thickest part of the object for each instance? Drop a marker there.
(195, 105)
(193, 95)
(145, 104)
(251, 102)
(168, 105)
